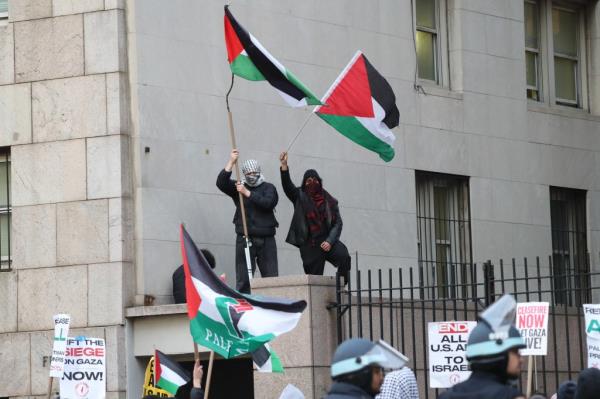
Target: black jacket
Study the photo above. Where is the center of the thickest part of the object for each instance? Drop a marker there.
(482, 385)
(259, 206)
(343, 390)
(298, 234)
(197, 393)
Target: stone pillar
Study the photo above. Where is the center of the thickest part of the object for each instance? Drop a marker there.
(306, 351)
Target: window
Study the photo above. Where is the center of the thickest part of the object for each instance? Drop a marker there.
(444, 233)
(5, 209)
(569, 245)
(553, 41)
(3, 9)
(532, 50)
(426, 39)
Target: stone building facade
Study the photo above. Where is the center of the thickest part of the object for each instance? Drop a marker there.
(113, 112)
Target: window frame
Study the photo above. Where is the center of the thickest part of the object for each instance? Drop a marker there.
(441, 56)
(448, 279)
(548, 83)
(6, 259)
(539, 54)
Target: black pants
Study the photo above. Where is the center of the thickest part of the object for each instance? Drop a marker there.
(263, 252)
(313, 258)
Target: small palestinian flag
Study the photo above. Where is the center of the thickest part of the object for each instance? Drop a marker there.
(361, 105)
(168, 375)
(250, 60)
(226, 321)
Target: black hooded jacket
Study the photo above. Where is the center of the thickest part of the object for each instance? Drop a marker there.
(259, 206)
(482, 384)
(298, 235)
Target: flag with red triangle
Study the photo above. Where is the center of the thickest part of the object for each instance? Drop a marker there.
(361, 105)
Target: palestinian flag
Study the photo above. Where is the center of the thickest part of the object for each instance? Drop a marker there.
(226, 321)
(250, 60)
(168, 375)
(362, 106)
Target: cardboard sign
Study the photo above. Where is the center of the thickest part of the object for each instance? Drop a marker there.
(592, 333)
(447, 352)
(532, 322)
(149, 387)
(85, 369)
(61, 332)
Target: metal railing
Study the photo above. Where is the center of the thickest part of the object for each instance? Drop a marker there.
(396, 305)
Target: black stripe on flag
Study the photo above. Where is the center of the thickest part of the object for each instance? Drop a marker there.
(200, 270)
(164, 360)
(269, 70)
(382, 92)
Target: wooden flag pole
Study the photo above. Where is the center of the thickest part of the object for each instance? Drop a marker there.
(49, 387)
(209, 375)
(529, 375)
(238, 179)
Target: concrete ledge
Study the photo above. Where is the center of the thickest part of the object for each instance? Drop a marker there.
(145, 311)
(293, 281)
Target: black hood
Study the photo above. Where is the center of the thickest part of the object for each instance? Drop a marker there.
(311, 173)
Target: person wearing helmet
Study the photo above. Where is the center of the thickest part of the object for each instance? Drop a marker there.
(260, 199)
(493, 355)
(357, 368)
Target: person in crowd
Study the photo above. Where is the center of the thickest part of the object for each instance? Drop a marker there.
(260, 199)
(538, 395)
(399, 384)
(316, 223)
(179, 277)
(197, 392)
(566, 390)
(357, 368)
(493, 355)
(588, 384)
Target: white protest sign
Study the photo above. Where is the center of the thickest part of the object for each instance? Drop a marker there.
(447, 352)
(85, 369)
(61, 332)
(532, 323)
(592, 332)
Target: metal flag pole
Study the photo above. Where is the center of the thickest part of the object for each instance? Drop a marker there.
(237, 176)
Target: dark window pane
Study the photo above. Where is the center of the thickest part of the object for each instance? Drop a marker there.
(564, 28)
(531, 26)
(565, 78)
(426, 13)
(426, 55)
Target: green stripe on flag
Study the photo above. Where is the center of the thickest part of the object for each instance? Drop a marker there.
(215, 336)
(311, 99)
(168, 386)
(276, 365)
(350, 127)
(245, 68)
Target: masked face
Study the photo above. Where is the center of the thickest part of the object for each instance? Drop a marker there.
(252, 178)
(312, 186)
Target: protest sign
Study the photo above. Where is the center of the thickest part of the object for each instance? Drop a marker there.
(532, 323)
(149, 382)
(61, 332)
(592, 333)
(85, 369)
(447, 352)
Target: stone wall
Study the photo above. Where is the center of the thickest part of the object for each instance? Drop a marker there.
(64, 112)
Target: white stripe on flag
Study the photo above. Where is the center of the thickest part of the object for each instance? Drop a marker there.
(171, 375)
(376, 126)
(268, 55)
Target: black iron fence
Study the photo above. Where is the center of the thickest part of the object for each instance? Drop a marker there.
(396, 305)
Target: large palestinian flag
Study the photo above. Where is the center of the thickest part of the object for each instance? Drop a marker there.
(168, 374)
(226, 321)
(361, 105)
(250, 60)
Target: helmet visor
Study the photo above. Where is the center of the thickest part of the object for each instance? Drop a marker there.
(500, 315)
(381, 354)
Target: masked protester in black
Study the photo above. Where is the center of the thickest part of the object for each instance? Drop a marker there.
(316, 225)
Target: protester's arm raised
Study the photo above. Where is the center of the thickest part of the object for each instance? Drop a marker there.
(224, 182)
(291, 191)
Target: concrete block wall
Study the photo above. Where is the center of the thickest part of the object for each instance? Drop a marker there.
(64, 111)
(477, 124)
